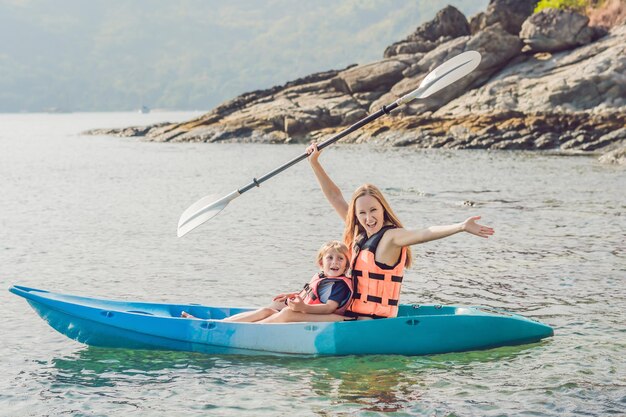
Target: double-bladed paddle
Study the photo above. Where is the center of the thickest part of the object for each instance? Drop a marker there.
(439, 78)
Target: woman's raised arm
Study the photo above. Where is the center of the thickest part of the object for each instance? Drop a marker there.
(329, 188)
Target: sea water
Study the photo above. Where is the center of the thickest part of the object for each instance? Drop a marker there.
(97, 216)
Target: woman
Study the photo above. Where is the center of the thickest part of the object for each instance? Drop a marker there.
(380, 246)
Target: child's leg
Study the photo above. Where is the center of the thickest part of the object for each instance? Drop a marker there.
(287, 315)
(251, 316)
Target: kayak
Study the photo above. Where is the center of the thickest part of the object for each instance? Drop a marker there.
(417, 330)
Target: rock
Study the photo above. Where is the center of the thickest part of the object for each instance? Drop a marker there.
(575, 143)
(449, 23)
(373, 77)
(512, 130)
(497, 48)
(476, 24)
(369, 96)
(553, 30)
(405, 142)
(610, 13)
(571, 100)
(460, 132)
(524, 143)
(615, 157)
(583, 79)
(548, 140)
(598, 32)
(128, 131)
(511, 135)
(510, 14)
(609, 141)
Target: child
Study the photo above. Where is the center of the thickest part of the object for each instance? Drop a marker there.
(328, 292)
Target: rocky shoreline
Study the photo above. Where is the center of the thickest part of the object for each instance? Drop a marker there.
(547, 81)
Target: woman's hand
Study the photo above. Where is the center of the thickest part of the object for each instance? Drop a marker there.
(296, 304)
(313, 152)
(470, 226)
(282, 297)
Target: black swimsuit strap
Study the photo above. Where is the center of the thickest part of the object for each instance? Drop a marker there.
(372, 242)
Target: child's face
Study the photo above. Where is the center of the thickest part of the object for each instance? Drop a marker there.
(334, 263)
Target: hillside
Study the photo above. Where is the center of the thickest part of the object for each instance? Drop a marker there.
(187, 55)
(547, 81)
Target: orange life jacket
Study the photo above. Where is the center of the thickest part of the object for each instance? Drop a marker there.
(377, 286)
(310, 294)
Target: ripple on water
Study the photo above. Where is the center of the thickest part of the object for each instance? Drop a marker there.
(101, 220)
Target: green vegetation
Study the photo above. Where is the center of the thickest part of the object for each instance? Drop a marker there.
(576, 5)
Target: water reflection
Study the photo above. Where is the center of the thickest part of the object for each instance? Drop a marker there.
(99, 367)
(382, 384)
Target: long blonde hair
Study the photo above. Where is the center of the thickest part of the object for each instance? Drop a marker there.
(353, 228)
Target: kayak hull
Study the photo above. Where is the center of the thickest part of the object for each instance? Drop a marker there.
(418, 330)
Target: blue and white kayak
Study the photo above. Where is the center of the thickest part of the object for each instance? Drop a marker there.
(418, 329)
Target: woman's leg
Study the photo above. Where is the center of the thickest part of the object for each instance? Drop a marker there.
(287, 315)
(252, 316)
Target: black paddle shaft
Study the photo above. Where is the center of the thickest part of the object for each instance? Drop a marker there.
(256, 182)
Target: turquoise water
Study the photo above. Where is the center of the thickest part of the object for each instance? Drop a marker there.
(97, 216)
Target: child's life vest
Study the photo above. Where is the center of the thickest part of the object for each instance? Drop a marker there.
(310, 294)
(377, 286)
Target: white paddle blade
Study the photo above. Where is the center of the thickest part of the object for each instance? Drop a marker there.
(444, 75)
(202, 210)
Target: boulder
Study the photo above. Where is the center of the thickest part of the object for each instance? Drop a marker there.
(509, 130)
(553, 30)
(610, 13)
(497, 48)
(449, 23)
(510, 14)
(372, 77)
(590, 77)
(567, 100)
(615, 157)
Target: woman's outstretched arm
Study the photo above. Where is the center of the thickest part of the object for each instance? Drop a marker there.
(403, 237)
(329, 188)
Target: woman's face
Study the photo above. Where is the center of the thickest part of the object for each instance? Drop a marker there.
(370, 214)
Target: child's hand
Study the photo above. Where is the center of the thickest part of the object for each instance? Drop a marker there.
(296, 304)
(313, 152)
(470, 226)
